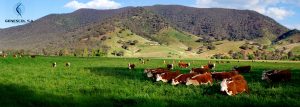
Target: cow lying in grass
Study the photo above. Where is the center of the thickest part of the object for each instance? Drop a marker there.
(152, 72)
(131, 66)
(276, 75)
(200, 79)
(200, 70)
(209, 66)
(182, 78)
(183, 65)
(242, 69)
(167, 76)
(223, 75)
(234, 85)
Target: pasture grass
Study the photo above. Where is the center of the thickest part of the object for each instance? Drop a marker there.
(107, 82)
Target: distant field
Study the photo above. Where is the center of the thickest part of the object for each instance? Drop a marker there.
(108, 82)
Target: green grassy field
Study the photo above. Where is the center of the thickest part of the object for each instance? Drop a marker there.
(108, 82)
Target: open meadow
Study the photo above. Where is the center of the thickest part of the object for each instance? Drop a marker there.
(100, 81)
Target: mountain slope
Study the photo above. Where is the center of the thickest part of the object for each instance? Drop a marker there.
(175, 28)
(218, 22)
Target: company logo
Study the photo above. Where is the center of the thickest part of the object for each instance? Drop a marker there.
(19, 10)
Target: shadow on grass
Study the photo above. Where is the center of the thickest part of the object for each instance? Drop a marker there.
(13, 95)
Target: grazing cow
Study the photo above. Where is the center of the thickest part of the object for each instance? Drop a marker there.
(183, 65)
(152, 72)
(234, 85)
(242, 69)
(200, 79)
(68, 64)
(209, 66)
(182, 78)
(143, 61)
(170, 66)
(15, 56)
(131, 66)
(167, 76)
(4, 55)
(54, 64)
(32, 56)
(200, 70)
(223, 75)
(276, 75)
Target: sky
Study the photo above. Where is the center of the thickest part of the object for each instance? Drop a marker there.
(286, 12)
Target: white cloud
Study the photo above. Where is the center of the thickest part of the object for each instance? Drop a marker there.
(294, 26)
(267, 7)
(278, 13)
(94, 4)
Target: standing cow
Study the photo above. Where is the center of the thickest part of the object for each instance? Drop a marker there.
(131, 66)
(242, 69)
(276, 75)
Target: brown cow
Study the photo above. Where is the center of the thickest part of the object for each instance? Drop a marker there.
(223, 75)
(242, 69)
(200, 70)
(152, 72)
(234, 85)
(276, 75)
(200, 79)
(183, 64)
(209, 66)
(131, 66)
(167, 76)
(182, 78)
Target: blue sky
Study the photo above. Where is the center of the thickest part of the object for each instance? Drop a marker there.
(286, 12)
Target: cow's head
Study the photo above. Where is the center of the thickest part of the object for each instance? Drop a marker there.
(192, 70)
(265, 75)
(211, 66)
(159, 77)
(149, 74)
(175, 82)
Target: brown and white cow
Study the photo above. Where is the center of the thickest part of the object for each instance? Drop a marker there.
(209, 66)
(200, 70)
(276, 75)
(131, 66)
(200, 79)
(223, 75)
(167, 76)
(170, 66)
(152, 72)
(182, 78)
(234, 85)
(183, 64)
(242, 69)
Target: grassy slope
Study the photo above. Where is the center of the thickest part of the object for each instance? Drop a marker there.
(107, 82)
(296, 50)
(177, 44)
(223, 48)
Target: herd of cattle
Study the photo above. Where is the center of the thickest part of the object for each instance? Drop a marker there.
(231, 82)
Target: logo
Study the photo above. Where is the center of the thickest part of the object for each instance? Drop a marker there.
(19, 10)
